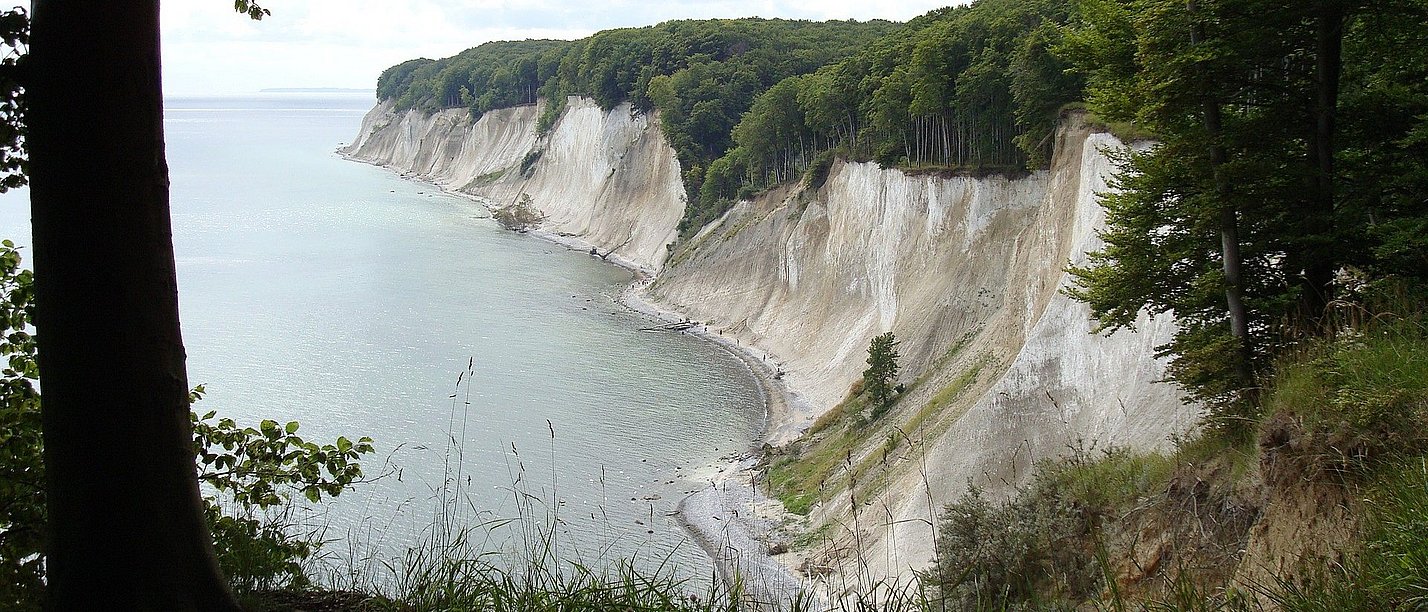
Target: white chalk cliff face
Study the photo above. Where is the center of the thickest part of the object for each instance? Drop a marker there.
(605, 177)
(966, 271)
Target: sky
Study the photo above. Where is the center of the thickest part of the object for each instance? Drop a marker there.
(210, 50)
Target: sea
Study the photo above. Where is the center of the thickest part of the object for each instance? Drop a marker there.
(509, 394)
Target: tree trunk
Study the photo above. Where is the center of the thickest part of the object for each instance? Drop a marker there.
(1229, 227)
(126, 527)
(1320, 258)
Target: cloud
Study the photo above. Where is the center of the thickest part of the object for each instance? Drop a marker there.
(209, 49)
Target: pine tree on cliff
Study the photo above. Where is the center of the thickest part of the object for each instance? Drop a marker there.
(880, 379)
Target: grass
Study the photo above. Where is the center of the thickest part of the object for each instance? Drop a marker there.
(485, 179)
(801, 478)
(1365, 393)
(456, 566)
(945, 396)
(1348, 413)
(1126, 131)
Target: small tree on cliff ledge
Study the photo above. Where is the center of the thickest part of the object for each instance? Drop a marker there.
(881, 376)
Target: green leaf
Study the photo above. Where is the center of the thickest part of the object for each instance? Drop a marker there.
(292, 427)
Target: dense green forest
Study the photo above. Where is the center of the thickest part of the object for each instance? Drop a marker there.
(968, 87)
(701, 75)
(749, 103)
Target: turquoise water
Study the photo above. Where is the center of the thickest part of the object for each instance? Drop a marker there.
(345, 297)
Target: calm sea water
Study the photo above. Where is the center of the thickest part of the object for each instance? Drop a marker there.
(342, 296)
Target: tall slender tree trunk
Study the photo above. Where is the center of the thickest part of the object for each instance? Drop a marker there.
(126, 527)
(1320, 259)
(1229, 224)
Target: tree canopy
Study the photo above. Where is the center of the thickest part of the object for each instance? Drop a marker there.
(972, 87)
(1287, 179)
(701, 75)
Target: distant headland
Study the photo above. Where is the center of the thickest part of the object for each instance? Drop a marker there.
(352, 90)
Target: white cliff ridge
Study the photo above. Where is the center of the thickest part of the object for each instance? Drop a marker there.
(967, 272)
(606, 177)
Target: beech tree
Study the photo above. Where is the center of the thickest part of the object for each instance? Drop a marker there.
(126, 527)
(1253, 205)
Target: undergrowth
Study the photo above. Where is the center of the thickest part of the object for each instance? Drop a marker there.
(1349, 413)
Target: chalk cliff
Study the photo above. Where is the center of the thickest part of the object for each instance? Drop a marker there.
(605, 177)
(1002, 368)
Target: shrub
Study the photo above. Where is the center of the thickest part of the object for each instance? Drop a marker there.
(998, 555)
(519, 217)
(529, 161)
(1353, 403)
(22, 492)
(818, 170)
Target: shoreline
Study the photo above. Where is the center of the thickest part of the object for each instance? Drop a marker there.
(730, 520)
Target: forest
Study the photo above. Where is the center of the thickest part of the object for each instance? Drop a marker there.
(750, 103)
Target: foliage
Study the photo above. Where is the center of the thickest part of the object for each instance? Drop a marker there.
(22, 491)
(749, 103)
(994, 556)
(1058, 541)
(253, 466)
(248, 473)
(701, 76)
(1391, 572)
(1358, 405)
(14, 40)
(1291, 131)
(519, 217)
(251, 9)
(968, 87)
(1396, 553)
(528, 161)
(880, 379)
(804, 472)
(1355, 403)
(491, 76)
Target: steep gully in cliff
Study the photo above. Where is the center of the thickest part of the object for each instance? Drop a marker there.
(965, 271)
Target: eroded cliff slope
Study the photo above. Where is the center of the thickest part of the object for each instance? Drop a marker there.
(606, 178)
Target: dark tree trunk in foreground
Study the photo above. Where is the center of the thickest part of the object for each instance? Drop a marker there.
(126, 526)
(1321, 258)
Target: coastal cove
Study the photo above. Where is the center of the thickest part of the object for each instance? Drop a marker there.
(349, 299)
(730, 518)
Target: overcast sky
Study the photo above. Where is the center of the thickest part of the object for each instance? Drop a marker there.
(209, 49)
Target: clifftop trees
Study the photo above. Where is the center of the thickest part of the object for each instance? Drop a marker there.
(1246, 98)
(972, 87)
(701, 75)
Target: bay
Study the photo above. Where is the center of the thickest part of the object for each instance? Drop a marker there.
(340, 295)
